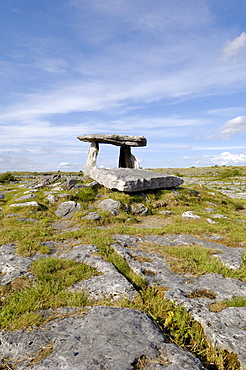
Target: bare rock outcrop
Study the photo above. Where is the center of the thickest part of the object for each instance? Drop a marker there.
(103, 338)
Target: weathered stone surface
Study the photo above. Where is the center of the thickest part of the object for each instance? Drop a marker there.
(133, 180)
(110, 205)
(189, 215)
(104, 338)
(12, 265)
(67, 209)
(230, 257)
(167, 213)
(109, 284)
(26, 204)
(26, 197)
(211, 221)
(46, 181)
(92, 216)
(139, 209)
(225, 329)
(52, 198)
(119, 140)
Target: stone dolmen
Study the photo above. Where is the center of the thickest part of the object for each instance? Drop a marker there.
(128, 176)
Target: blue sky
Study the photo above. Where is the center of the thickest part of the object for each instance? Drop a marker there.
(173, 71)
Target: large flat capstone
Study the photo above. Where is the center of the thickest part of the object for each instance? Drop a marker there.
(119, 140)
(133, 180)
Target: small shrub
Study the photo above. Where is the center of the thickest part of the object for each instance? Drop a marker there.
(7, 177)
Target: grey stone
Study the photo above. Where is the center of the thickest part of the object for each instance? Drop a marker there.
(150, 265)
(139, 209)
(104, 338)
(225, 329)
(109, 284)
(92, 216)
(218, 216)
(2, 196)
(52, 198)
(26, 197)
(23, 219)
(168, 213)
(71, 183)
(91, 184)
(12, 265)
(133, 180)
(110, 205)
(67, 209)
(189, 215)
(211, 210)
(119, 140)
(211, 221)
(26, 204)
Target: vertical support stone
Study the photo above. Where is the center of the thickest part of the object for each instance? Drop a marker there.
(127, 159)
(91, 160)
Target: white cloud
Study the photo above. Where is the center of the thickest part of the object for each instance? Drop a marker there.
(233, 127)
(234, 47)
(227, 159)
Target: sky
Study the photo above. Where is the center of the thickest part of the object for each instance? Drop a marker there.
(173, 71)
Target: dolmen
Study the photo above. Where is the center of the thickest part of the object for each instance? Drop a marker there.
(128, 177)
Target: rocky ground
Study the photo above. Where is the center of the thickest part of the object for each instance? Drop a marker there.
(133, 243)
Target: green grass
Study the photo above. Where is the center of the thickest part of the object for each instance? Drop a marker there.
(234, 302)
(52, 278)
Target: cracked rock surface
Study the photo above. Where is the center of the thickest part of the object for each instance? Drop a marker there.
(103, 338)
(225, 329)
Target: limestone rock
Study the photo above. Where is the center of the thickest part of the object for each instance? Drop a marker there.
(104, 338)
(26, 197)
(139, 209)
(189, 215)
(133, 180)
(92, 216)
(225, 329)
(26, 204)
(119, 140)
(52, 198)
(110, 205)
(109, 284)
(12, 265)
(211, 221)
(67, 209)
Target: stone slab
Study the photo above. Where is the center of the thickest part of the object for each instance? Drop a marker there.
(119, 140)
(133, 180)
(104, 338)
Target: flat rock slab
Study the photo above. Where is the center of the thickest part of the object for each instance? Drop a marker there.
(225, 329)
(133, 180)
(109, 284)
(104, 338)
(119, 140)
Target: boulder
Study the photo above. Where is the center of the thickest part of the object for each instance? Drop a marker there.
(103, 338)
(110, 205)
(67, 209)
(133, 180)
